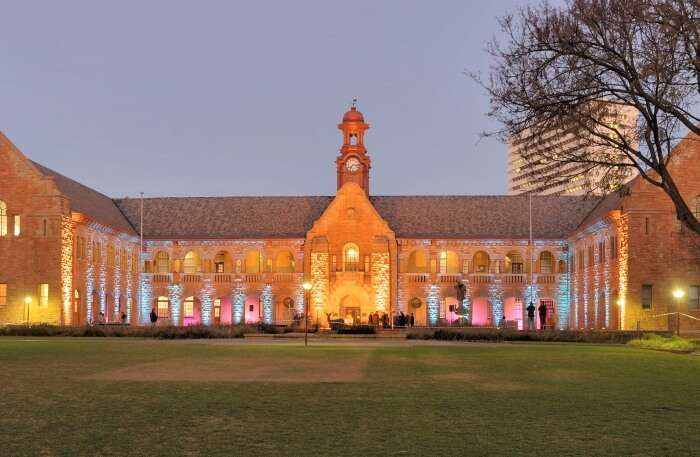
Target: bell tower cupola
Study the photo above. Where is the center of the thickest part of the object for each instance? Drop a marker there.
(353, 163)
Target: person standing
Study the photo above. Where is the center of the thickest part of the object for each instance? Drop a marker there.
(531, 316)
(412, 320)
(153, 316)
(542, 310)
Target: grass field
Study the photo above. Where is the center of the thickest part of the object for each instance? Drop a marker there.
(73, 397)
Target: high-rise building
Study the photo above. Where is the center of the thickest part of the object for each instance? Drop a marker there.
(545, 163)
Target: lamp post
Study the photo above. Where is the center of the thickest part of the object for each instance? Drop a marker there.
(27, 302)
(678, 294)
(307, 287)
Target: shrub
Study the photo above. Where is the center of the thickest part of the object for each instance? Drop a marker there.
(357, 330)
(499, 335)
(662, 343)
(165, 332)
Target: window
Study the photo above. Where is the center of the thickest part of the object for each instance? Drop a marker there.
(3, 218)
(580, 260)
(253, 262)
(514, 263)
(591, 255)
(351, 257)
(449, 262)
(163, 307)
(546, 263)
(3, 295)
(417, 262)
(188, 309)
(96, 252)
(46, 227)
(219, 262)
(43, 295)
(192, 263)
(695, 207)
(17, 225)
(110, 256)
(646, 296)
(613, 247)
(601, 252)
(284, 263)
(646, 225)
(162, 262)
(217, 309)
(573, 263)
(693, 297)
(481, 262)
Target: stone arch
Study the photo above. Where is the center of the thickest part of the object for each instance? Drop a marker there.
(223, 263)
(161, 262)
(480, 262)
(546, 262)
(417, 262)
(449, 262)
(514, 263)
(253, 262)
(192, 263)
(284, 262)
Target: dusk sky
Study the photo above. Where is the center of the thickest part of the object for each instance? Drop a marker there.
(242, 98)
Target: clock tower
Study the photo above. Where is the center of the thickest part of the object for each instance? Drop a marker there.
(353, 163)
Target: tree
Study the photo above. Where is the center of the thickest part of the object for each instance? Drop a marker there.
(582, 68)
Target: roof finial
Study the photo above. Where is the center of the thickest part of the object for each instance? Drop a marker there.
(354, 102)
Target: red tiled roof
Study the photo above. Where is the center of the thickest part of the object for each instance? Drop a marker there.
(497, 217)
(98, 207)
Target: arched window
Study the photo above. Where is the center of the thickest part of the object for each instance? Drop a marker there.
(222, 262)
(192, 263)
(514, 263)
(417, 262)
(562, 266)
(3, 218)
(162, 262)
(110, 255)
(76, 301)
(351, 257)
(546, 263)
(449, 262)
(284, 263)
(96, 252)
(481, 262)
(253, 262)
(163, 307)
(695, 207)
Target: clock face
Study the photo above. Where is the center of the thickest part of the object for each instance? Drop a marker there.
(352, 164)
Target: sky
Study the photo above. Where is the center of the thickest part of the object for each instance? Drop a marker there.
(177, 98)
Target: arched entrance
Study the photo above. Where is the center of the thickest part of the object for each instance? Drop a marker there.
(351, 310)
(480, 311)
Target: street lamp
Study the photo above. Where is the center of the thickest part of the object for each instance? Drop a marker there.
(678, 294)
(307, 287)
(27, 302)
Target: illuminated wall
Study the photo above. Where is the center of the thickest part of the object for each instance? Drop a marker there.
(623, 259)
(319, 279)
(206, 294)
(496, 300)
(117, 283)
(66, 270)
(564, 291)
(381, 280)
(267, 304)
(175, 298)
(89, 284)
(129, 283)
(433, 303)
(146, 298)
(237, 304)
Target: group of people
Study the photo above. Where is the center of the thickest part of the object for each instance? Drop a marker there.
(102, 319)
(542, 311)
(404, 320)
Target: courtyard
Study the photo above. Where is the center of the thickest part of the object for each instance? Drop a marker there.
(76, 396)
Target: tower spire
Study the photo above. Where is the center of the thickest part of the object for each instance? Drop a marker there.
(353, 163)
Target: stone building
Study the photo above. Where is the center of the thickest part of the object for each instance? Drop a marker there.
(70, 255)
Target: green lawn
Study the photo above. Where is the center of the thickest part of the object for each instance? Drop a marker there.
(134, 397)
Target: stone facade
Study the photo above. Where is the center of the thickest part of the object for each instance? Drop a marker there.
(234, 260)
